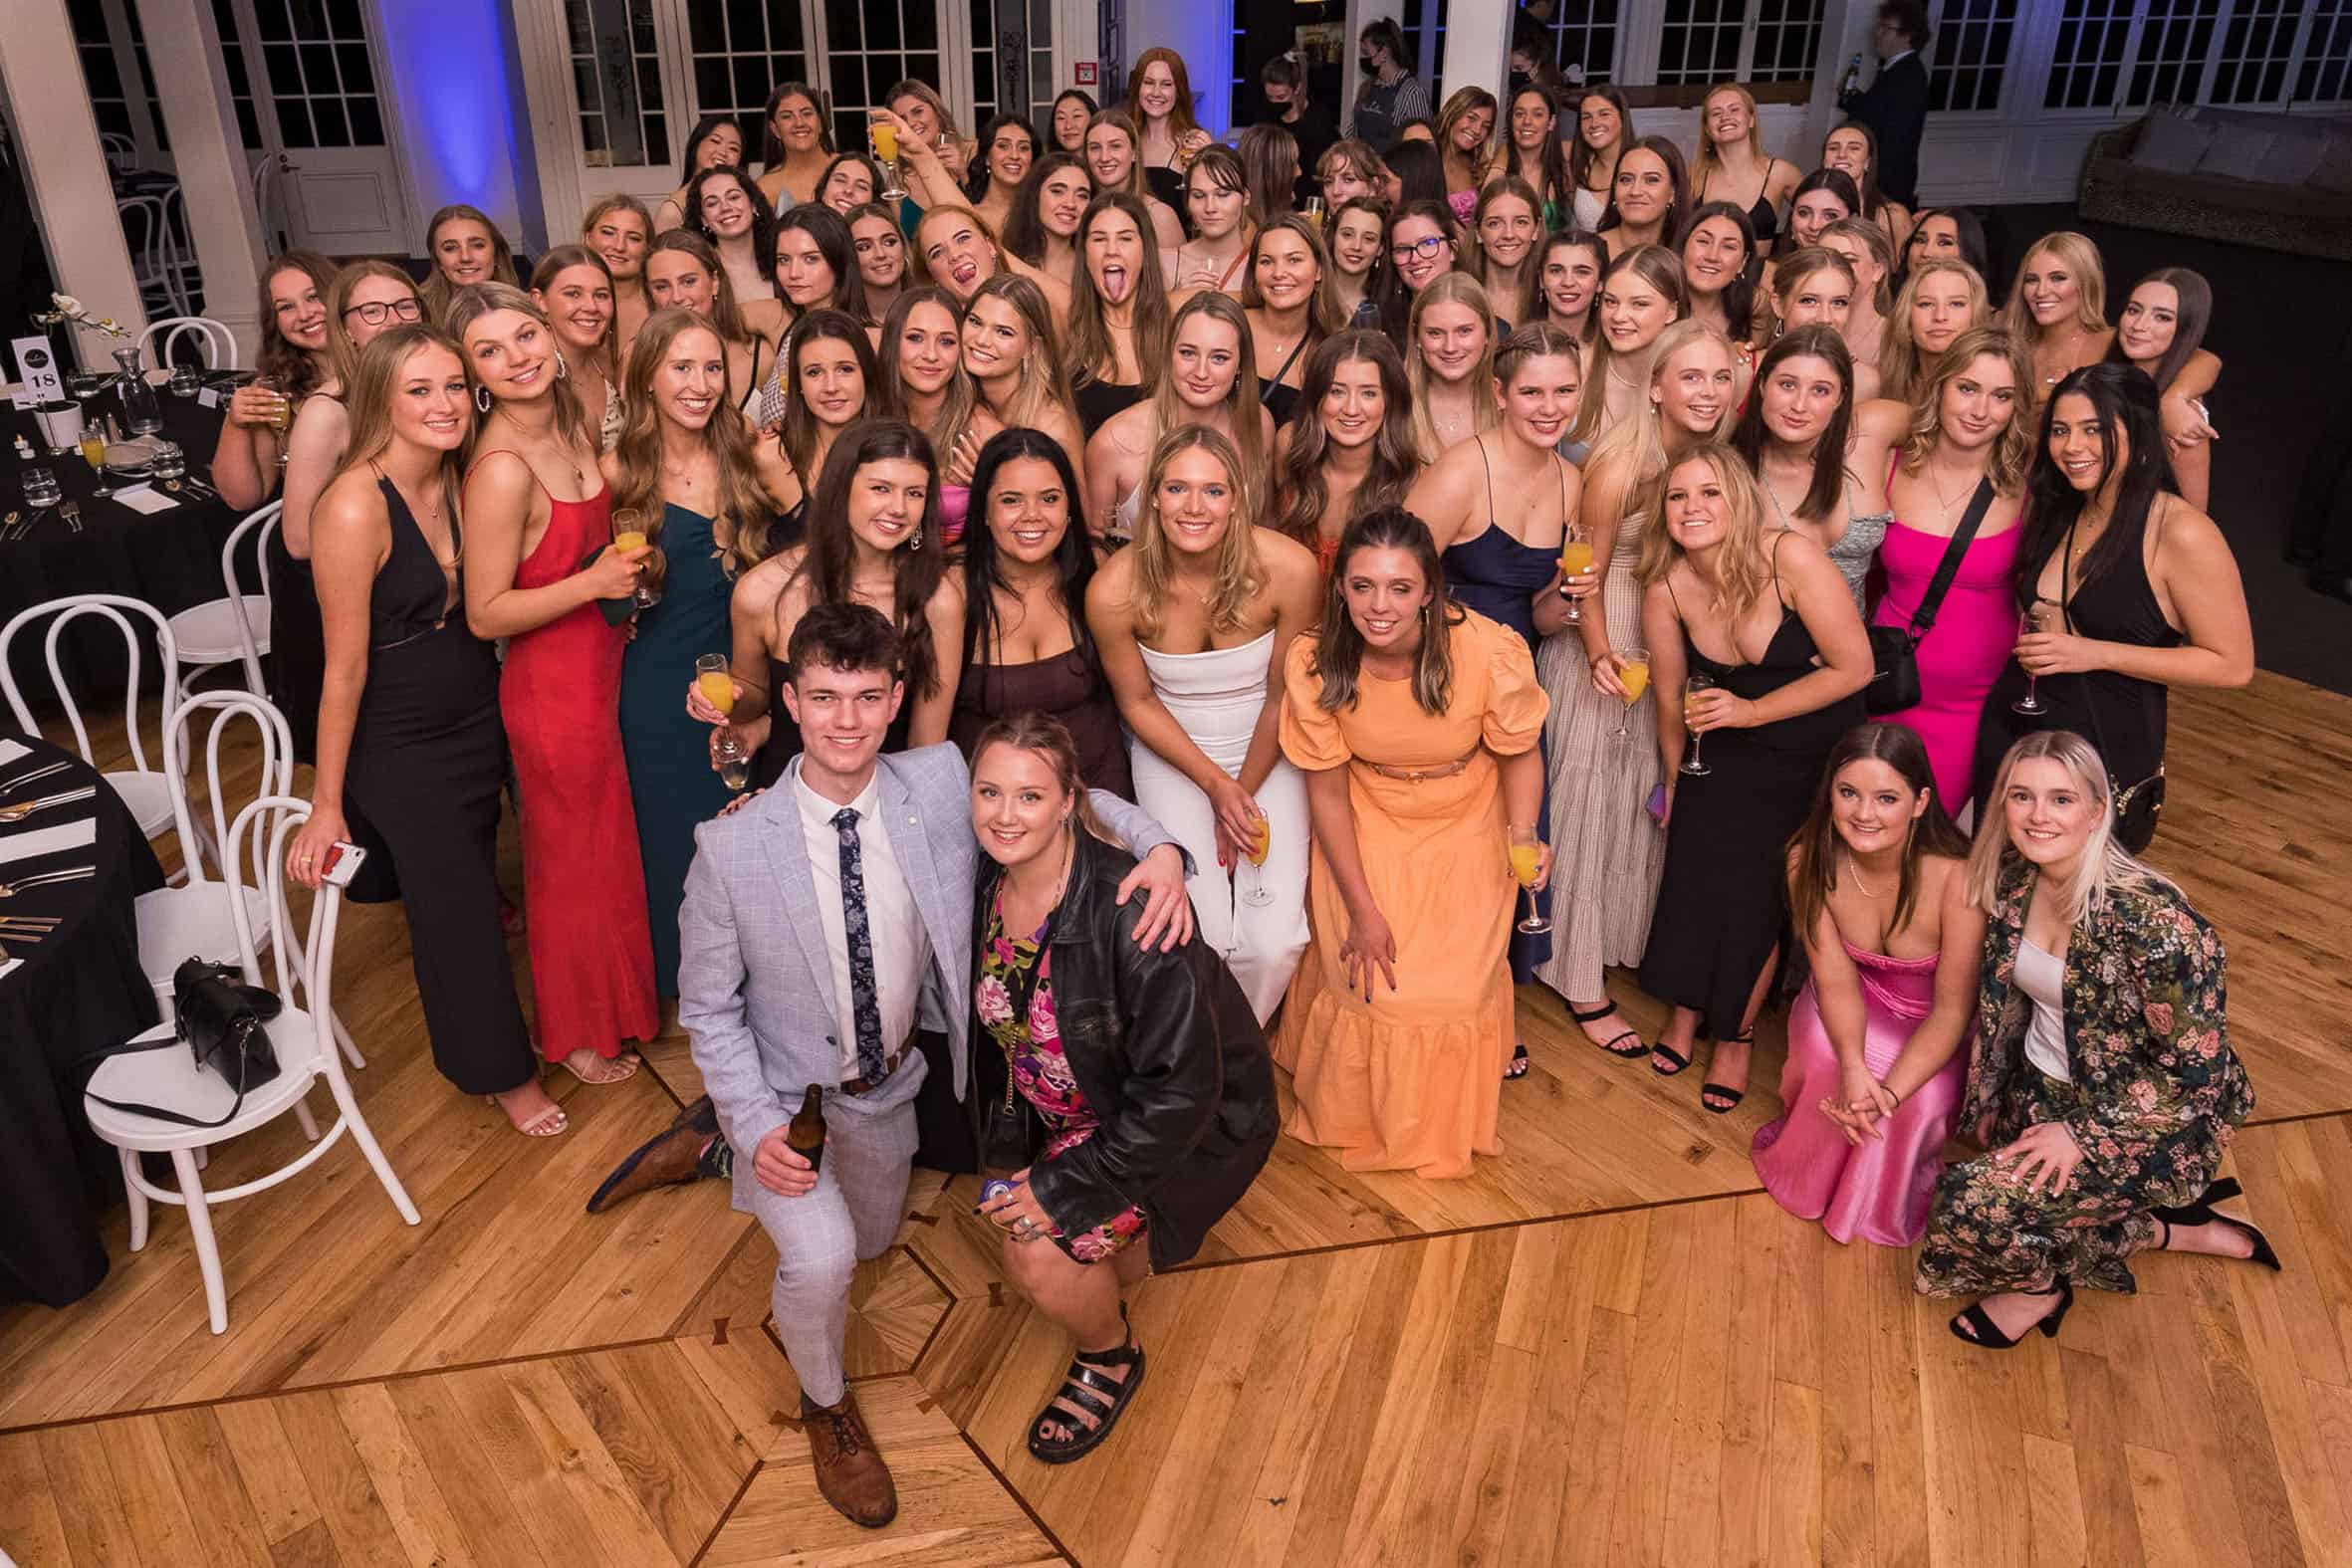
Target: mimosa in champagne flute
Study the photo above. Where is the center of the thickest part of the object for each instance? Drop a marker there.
(628, 533)
(2031, 621)
(1695, 682)
(1254, 852)
(1576, 560)
(885, 138)
(1633, 673)
(717, 686)
(1527, 864)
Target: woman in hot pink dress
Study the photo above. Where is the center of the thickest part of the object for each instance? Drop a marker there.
(1877, 885)
(1966, 428)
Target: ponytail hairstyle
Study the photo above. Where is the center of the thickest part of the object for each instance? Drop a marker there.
(1048, 739)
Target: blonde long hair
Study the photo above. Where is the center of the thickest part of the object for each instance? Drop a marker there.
(2080, 254)
(1707, 159)
(477, 300)
(369, 398)
(1044, 383)
(1640, 441)
(1170, 412)
(745, 512)
(2012, 449)
(1661, 268)
(2105, 867)
(1453, 287)
(1743, 569)
(1900, 364)
(1241, 576)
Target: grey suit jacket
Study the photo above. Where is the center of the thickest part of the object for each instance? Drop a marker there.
(755, 982)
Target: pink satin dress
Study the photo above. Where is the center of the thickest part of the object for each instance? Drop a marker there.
(1881, 1190)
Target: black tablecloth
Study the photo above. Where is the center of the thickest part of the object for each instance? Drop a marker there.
(172, 560)
(77, 991)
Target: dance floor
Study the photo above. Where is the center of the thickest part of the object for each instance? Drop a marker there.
(1607, 1346)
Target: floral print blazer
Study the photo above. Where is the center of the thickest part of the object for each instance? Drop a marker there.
(2146, 1029)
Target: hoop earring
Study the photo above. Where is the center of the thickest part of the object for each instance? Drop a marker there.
(482, 400)
(562, 369)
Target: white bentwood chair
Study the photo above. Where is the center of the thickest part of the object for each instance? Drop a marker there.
(213, 341)
(235, 628)
(167, 1078)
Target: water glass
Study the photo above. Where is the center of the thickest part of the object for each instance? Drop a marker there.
(169, 461)
(41, 488)
(185, 382)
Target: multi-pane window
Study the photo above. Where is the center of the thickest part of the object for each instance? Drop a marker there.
(1703, 42)
(1424, 26)
(1971, 52)
(322, 85)
(616, 75)
(740, 50)
(1584, 37)
(2169, 61)
(1013, 60)
(2256, 48)
(871, 45)
(232, 54)
(101, 73)
(2326, 76)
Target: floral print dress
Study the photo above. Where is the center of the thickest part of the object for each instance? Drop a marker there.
(1014, 998)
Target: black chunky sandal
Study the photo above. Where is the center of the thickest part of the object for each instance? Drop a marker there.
(1085, 1389)
(1519, 1063)
(1595, 1016)
(1988, 1333)
(2201, 1213)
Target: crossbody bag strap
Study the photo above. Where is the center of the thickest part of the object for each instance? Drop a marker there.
(1923, 619)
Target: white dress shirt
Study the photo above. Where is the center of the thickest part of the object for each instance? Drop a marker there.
(902, 948)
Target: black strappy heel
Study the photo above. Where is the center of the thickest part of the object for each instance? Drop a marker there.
(1725, 1099)
(1520, 1063)
(1595, 1016)
(1988, 1333)
(1084, 1389)
(2201, 1213)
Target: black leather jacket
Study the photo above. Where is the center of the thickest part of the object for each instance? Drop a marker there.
(1167, 1052)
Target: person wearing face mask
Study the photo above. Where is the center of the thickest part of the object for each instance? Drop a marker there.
(618, 230)
(1762, 613)
(1390, 96)
(544, 559)
(2137, 593)
(1027, 647)
(296, 360)
(1290, 305)
(1416, 721)
(1350, 451)
(1895, 106)
(1210, 379)
(2101, 1079)
(683, 473)
(1965, 433)
(797, 147)
(1939, 300)
(1800, 434)
(1876, 1065)
(1282, 83)
(1118, 311)
(2162, 334)
(1192, 621)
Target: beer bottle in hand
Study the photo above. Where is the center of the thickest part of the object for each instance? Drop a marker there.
(805, 1134)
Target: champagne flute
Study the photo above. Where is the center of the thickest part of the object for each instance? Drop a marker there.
(1575, 559)
(1633, 673)
(1254, 854)
(2028, 624)
(1696, 681)
(1314, 212)
(281, 418)
(628, 533)
(717, 685)
(885, 139)
(1526, 864)
(94, 452)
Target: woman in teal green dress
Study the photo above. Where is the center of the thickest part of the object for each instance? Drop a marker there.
(684, 471)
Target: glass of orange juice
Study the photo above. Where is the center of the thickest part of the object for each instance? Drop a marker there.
(1255, 853)
(714, 682)
(885, 138)
(1633, 673)
(1575, 559)
(628, 533)
(1526, 864)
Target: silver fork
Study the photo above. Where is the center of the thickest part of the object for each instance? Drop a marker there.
(43, 878)
(21, 779)
(25, 808)
(71, 513)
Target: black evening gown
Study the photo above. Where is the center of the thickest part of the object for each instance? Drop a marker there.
(427, 763)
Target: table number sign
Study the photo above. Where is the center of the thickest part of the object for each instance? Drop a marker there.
(35, 368)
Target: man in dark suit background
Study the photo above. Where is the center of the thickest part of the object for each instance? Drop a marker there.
(1896, 105)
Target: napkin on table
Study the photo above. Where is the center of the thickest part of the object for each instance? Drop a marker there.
(144, 498)
(28, 844)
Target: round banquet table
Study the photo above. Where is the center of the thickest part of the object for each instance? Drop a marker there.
(74, 992)
(170, 558)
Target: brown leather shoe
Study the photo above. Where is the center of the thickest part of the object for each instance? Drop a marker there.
(850, 1472)
(684, 1152)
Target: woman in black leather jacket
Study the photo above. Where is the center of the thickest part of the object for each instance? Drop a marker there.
(1131, 1082)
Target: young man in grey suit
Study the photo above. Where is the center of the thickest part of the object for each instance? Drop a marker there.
(823, 922)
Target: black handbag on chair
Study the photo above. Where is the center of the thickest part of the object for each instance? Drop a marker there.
(1894, 650)
(221, 1019)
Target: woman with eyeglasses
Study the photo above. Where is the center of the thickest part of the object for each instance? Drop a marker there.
(1424, 245)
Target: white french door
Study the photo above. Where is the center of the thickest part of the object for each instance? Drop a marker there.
(309, 92)
(616, 85)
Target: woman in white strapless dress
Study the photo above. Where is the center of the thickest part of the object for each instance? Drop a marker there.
(1192, 622)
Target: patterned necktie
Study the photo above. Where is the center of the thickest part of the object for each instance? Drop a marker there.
(864, 1009)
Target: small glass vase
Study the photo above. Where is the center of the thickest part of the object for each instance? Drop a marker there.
(142, 416)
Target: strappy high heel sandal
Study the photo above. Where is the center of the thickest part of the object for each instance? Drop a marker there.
(1611, 1045)
(1085, 1389)
(2201, 1213)
(1719, 1100)
(1988, 1333)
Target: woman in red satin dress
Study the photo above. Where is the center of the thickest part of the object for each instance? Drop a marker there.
(540, 530)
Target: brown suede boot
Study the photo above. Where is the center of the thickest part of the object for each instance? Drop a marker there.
(850, 1472)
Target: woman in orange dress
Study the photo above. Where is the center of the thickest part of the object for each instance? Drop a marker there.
(1415, 721)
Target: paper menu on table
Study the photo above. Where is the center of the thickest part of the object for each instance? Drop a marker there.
(26, 845)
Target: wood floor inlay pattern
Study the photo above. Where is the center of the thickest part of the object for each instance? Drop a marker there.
(1605, 1346)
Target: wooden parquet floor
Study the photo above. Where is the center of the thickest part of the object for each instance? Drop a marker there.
(1606, 1346)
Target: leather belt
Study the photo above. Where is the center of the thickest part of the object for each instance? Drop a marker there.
(1422, 774)
(889, 1066)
